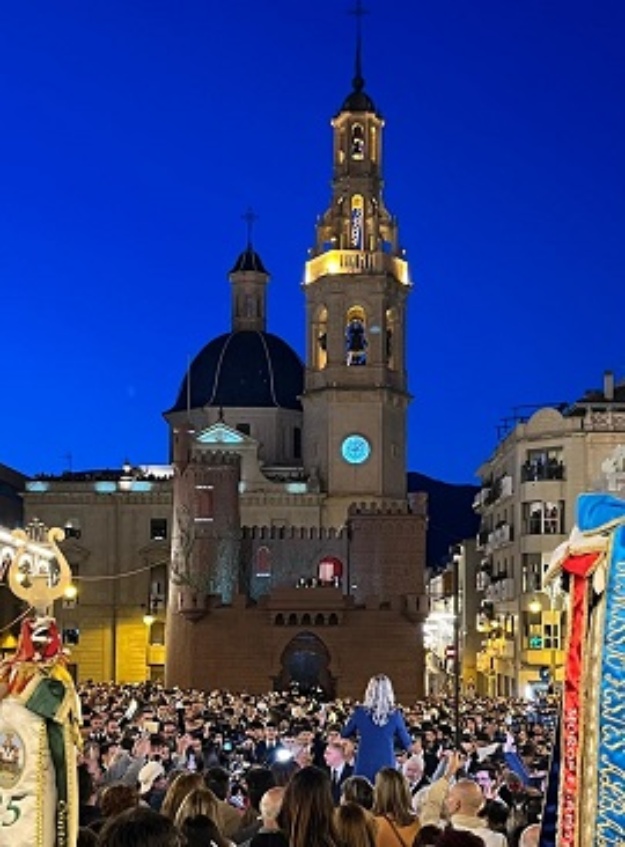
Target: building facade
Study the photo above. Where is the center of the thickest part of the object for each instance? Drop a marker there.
(280, 545)
(527, 506)
(451, 638)
(12, 484)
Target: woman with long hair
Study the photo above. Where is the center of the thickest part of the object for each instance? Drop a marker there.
(307, 814)
(354, 825)
(378, 725)
(181, 785)
(200, 802)
(397, 824)
(357, 789)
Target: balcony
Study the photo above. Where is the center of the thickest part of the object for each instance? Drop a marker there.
(482, 580)
(542, 471)
(500, 590)
(481, 498)
(356, 262)
(502, 535)
(482, 538)
(543, 657)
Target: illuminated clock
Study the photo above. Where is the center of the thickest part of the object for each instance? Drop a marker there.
(355, 449)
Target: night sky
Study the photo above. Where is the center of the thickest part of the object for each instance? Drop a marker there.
(135, 134)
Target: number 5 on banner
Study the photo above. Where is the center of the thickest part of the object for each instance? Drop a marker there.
(11, 812)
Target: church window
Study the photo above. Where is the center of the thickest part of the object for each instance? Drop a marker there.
(263, 562)
(306, 619)
(356, 342)
(279, 620)
(333, 619)
(358, 142)
(292, 620)
(158, 529)
(390, 339)
(319, 620)
(374, 144)
(320, 339)
(204, 505)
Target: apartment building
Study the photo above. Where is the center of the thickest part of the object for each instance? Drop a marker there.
(526, 503)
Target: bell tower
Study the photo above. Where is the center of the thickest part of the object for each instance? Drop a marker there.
(356, 287)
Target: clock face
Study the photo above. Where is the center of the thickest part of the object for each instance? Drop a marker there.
(355, 449)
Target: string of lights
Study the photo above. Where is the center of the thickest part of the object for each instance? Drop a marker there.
(16, 620)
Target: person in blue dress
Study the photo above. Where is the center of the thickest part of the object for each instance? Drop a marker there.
(378, 725)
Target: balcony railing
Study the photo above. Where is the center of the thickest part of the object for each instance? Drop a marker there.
(482, 538)
(542, 471)
(501, 591)
(356, 262)
(503, 534)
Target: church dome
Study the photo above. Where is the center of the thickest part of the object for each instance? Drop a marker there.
(247, 369)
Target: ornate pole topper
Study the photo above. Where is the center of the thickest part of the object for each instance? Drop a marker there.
(39, 708)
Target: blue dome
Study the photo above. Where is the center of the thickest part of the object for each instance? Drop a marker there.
(247, 369)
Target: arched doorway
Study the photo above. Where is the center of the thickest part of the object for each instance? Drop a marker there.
(305, 662)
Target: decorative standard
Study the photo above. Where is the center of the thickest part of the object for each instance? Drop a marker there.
(39, 707)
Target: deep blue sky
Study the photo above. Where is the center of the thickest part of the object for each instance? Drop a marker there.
(135, 133)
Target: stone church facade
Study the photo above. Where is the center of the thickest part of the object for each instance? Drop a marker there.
(289, 550)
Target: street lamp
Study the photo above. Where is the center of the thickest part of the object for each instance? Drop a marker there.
(71, 592)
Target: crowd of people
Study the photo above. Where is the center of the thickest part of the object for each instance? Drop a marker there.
(167, 768)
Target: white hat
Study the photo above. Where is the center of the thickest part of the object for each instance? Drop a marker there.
(148, 775)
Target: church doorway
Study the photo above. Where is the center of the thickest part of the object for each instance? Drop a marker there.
(305, 664)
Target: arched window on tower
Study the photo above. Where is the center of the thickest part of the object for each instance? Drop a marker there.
(356, 337)
(390, 339)
(358, 142)
(320, 339)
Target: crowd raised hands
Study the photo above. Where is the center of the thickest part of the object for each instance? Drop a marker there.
(217, 769)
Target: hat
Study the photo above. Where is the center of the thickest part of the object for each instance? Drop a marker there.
(148, 775)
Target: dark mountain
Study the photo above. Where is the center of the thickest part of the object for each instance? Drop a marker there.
(451, 515)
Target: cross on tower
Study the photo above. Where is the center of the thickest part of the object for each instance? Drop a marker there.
(250, 217)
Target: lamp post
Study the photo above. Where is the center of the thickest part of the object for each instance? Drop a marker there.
(456, 587)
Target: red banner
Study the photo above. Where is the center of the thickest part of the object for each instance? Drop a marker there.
(579, 567)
